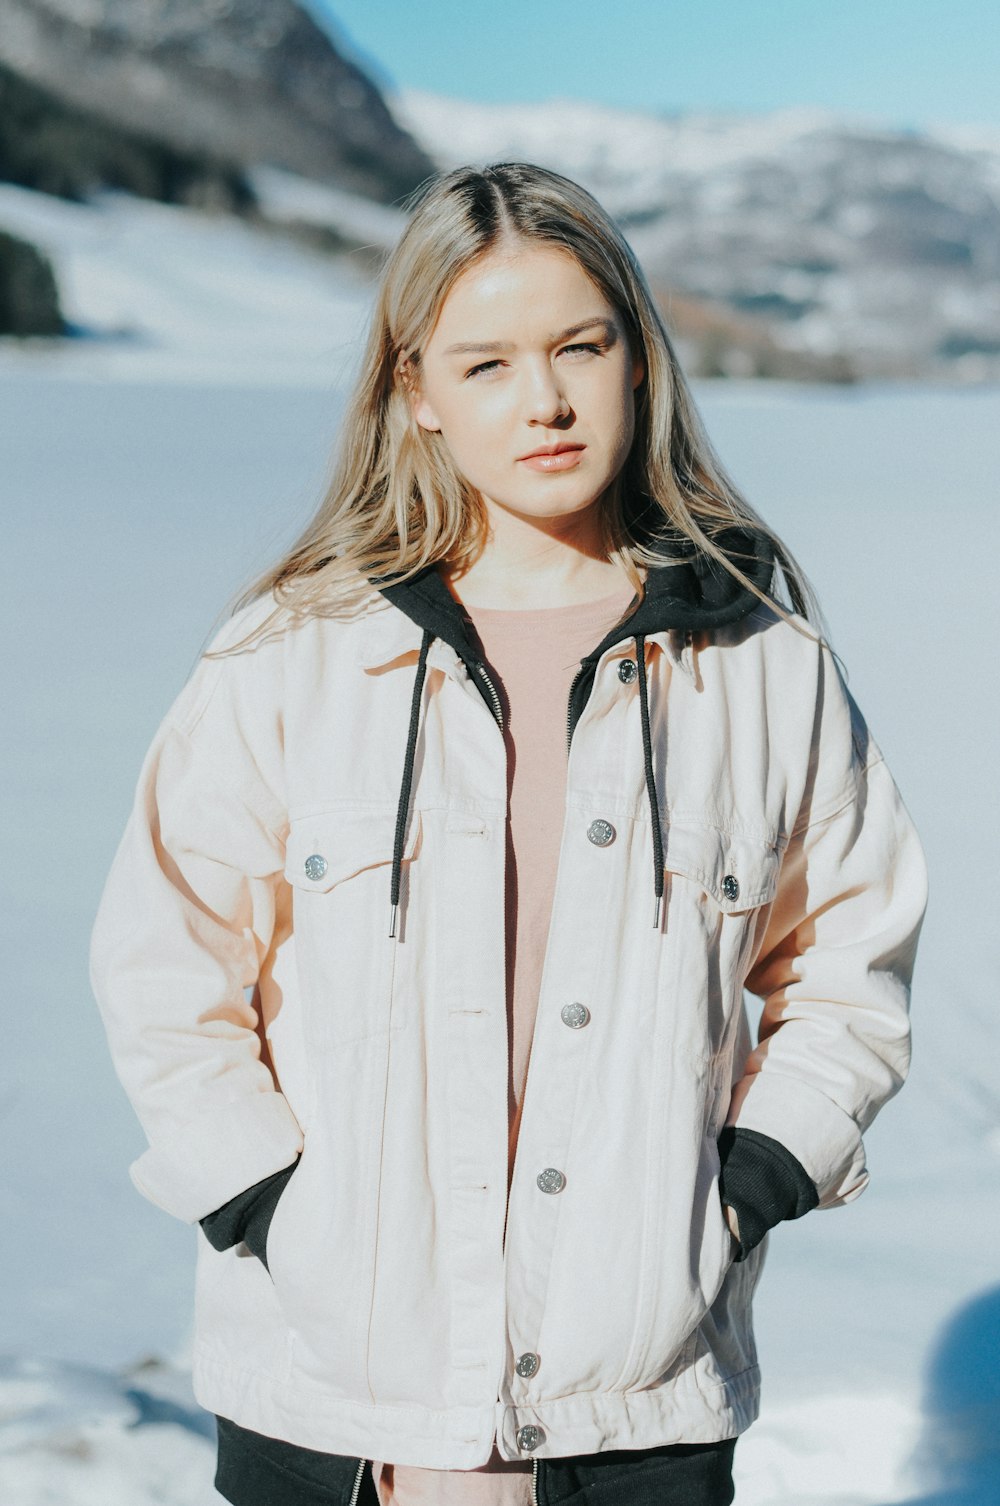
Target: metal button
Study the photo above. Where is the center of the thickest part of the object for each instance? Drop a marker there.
(731, 887)
(527, 1364)
(530, 1436)
(315, 865)
(574, 1015)
(551, 1180)
(627, 671)
(600, 832)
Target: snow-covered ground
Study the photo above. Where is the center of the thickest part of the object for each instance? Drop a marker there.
(161, 293)
(145, 477)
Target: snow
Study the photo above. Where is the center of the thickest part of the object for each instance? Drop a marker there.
(163, 293)
(287, 197)
(70, 1434)
(630, 147)
(637, 161)
(146, 477)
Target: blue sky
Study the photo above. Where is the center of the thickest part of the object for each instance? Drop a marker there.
(907, 62)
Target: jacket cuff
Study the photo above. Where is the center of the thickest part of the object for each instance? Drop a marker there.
(761, 1179)
(792, 1111)
(195, 1167)
(246, 1218)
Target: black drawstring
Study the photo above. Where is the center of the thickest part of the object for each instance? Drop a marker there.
(411, 743)
(404, 792)
(654, 809)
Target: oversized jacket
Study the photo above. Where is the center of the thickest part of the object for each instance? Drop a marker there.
(299, 958)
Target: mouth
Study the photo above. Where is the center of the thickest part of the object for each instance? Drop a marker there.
(553, 457)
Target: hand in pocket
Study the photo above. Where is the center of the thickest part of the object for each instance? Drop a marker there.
(259, 1220)
(734, 1224)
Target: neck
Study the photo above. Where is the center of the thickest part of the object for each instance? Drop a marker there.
(536, 563)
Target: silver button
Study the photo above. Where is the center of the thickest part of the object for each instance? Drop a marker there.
(315, 865)
(527, 1364)
(574, 1015)
(731, 887)
(551, 1180)
(600, 832)
(627, 671)
(530, 1436)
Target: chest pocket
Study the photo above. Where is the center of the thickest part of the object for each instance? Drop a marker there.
(719, 886)
(339, 866)
(740, 873)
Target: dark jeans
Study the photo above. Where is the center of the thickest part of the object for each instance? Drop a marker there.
(258, 1471)
(671, 1474)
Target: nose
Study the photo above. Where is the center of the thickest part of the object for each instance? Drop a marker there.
(545, 399)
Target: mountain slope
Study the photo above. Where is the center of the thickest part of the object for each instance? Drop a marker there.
(247, 81)
(840, 238)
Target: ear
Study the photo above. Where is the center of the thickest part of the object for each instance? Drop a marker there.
(423, 412)
(638, 371)
(419, 406)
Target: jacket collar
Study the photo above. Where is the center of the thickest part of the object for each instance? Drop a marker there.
(689, 590)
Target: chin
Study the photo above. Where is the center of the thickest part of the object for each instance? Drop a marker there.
(551, 506)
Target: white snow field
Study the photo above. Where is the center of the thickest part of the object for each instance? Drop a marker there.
(145, 476)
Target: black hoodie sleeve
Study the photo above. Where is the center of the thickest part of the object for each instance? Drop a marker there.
(247, 1217)
(763, 1182)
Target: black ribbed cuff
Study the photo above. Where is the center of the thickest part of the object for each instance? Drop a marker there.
(247, 1216)
(763, 1182)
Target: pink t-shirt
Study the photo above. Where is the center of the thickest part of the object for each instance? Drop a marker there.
(532, 657)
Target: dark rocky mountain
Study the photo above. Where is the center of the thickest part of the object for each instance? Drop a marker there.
(227, 84)
(59, 149)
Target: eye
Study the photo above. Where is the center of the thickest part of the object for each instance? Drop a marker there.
(487, 366)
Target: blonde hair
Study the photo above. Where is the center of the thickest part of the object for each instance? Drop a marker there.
(395, 502)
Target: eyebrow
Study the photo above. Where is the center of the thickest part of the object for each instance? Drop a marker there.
(468, 347)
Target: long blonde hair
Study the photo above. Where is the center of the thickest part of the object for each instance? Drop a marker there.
(395, 502)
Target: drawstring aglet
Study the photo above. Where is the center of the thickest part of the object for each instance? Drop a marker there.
(656, 913)
(393, 909)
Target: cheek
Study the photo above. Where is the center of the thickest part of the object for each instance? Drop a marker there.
(619, 405)
(471, 427)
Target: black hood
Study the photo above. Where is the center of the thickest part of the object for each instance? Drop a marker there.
(689, 590)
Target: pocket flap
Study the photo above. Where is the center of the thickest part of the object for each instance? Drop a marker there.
(738, 871)
(327, 847)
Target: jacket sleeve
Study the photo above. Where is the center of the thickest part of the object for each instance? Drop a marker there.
(185, 918)
(835, 964)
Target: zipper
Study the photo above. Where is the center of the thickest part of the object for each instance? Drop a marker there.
(497, 708)
(569, 710)
(357, 1483)
(534, 1482)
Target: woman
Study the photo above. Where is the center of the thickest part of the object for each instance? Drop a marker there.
(515, 756)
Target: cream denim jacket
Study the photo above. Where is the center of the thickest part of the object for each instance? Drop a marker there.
(266, 1007)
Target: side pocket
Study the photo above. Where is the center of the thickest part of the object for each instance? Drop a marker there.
(260, 1227)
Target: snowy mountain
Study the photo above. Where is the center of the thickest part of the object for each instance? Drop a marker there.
(837, 237)
(796, 244)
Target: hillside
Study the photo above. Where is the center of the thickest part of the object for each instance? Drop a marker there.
(242, 82)
(841, 241)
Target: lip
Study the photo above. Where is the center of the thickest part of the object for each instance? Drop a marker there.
(556, 457)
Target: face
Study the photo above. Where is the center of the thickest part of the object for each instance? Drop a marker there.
(542, 360)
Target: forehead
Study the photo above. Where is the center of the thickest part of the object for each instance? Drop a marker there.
(531, 292)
